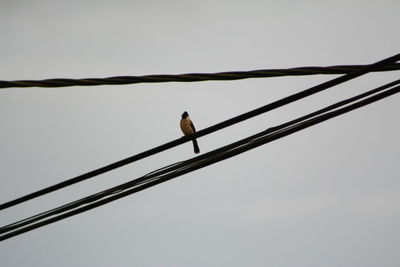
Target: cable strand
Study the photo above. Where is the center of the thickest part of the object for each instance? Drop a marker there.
(206, 131)
(192, 77)
(241, 146)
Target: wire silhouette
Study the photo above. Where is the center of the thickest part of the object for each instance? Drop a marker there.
(284, 101)
(192, 77)
(180, 168)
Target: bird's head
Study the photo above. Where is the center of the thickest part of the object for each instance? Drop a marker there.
(185, 115)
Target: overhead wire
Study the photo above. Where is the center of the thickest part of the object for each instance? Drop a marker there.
(172, 167)
(250, 114)
(192, 77)
(209, 158)
(88, 199)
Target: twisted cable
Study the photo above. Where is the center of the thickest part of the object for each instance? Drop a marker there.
(193, 77)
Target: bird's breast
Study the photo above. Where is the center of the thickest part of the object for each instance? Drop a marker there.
(185, 127)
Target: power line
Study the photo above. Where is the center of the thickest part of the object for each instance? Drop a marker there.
(284, 101)
(192, 77)
(178, 165)
(201, 161)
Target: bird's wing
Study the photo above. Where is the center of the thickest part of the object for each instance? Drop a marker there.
(192, 126)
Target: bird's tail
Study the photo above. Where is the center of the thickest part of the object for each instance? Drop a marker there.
(196, 146)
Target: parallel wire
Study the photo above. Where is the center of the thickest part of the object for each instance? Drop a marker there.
(216, 127)
(192, 77)
(212, 157)
(175, 166)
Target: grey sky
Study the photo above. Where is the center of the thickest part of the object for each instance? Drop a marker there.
(327, 196)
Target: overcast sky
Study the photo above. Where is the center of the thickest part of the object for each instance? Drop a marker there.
(326, 196)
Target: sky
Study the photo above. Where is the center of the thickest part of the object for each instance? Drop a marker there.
(325, 196)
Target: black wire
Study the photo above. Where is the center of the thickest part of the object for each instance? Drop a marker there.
(241, 146)
(191, 77)
(205, 163)
(114, 190)
(216, 127)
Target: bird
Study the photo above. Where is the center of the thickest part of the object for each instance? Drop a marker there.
(187, 128)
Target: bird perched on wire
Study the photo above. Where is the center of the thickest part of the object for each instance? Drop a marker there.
(187, 128)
